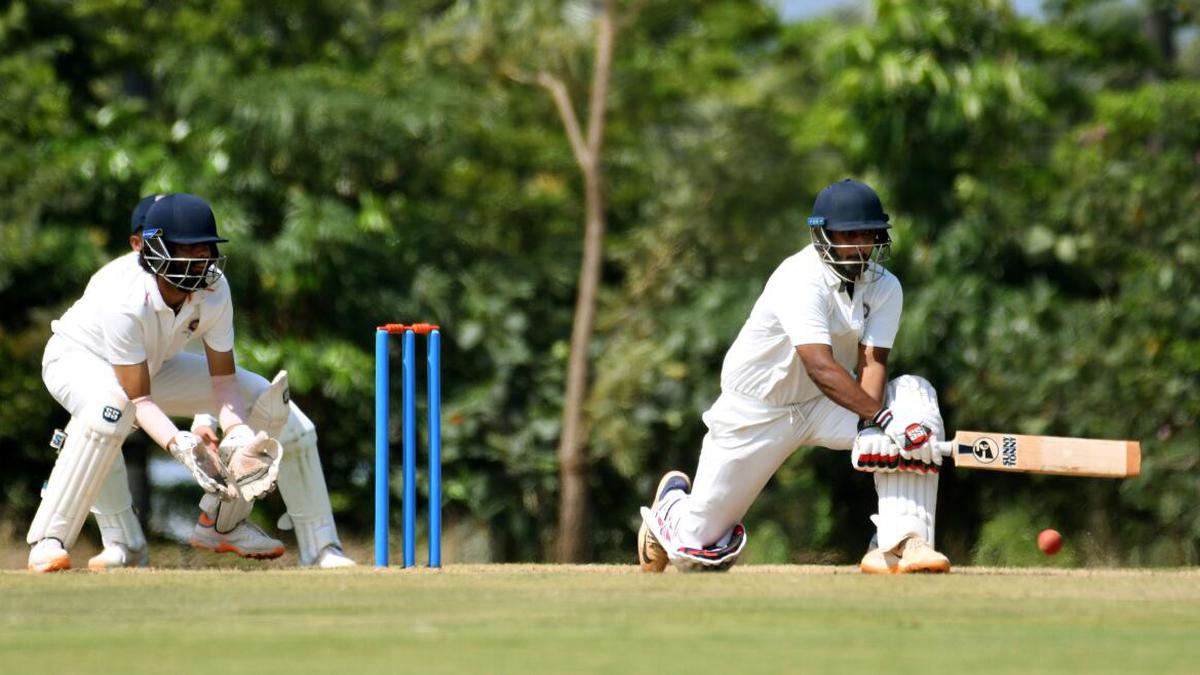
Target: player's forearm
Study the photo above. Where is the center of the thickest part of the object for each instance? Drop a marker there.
(231, 410)
(154, 422)
(836, 383)
(872, 378)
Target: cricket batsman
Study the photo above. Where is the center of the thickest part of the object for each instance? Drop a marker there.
(222, 525)
(809, 367)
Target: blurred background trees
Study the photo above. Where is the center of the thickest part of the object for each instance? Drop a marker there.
(378, 161)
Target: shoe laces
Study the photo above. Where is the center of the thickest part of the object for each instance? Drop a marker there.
(254, 528)
(915, 545)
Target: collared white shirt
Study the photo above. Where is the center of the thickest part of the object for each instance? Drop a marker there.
(804, 303)
(123, 319)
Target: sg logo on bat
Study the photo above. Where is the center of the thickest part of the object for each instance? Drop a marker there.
(984, 450)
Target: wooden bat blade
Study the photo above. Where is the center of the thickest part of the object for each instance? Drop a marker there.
(1055, 455)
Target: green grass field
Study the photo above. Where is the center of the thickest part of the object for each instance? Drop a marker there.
(545, 618)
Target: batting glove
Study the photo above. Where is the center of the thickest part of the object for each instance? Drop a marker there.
(875, 452)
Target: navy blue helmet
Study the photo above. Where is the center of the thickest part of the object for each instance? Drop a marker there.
(138, 220)
(178, 220)
(850, 206)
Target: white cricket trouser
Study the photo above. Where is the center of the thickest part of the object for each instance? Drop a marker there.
(182, 387)
(748, 440)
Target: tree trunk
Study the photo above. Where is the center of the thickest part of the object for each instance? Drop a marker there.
(572, 451)
(1160, 31)
(572, 448)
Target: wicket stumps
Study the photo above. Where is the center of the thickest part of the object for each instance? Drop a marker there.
(382, 447)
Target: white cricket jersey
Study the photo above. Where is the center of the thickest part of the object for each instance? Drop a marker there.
(123, 319)
(803, 303)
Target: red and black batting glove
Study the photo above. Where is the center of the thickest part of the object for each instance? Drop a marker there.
(881, 419)
(917, 453)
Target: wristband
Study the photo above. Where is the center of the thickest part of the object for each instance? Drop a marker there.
(880, 419)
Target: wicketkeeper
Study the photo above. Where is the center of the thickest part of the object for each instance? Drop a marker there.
(223, 524)
(120, 343)
(809, 367)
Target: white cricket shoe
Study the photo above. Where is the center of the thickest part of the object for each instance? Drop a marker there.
(333, 557)
(246, 540)
(48, 555)
(877, 561)
(117, 555)
(913, 555)
(916, 555)
(651, 555)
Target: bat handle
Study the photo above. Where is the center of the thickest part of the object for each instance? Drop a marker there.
(946, 448)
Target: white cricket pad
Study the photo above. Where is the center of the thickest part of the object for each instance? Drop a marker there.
(913, 399)
(270, 411)
(908, 500)
(907, 506)
(113, 510)
(121, 528)
(230, 513)
(94, 439)
(302, 486)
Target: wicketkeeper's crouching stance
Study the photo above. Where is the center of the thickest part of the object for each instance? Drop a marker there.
(121, 341)
(826, 311)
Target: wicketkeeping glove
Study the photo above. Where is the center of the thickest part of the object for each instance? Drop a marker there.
(209, 471)
(253, 461)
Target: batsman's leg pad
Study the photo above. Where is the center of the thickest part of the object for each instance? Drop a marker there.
(914, 397)
(908, 501)
(94, 439)
(302, 486)
(907, 507)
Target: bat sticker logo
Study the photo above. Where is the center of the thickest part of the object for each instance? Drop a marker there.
(984, 450)
(1009, 452)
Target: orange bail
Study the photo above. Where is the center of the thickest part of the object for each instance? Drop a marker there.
(420, 328)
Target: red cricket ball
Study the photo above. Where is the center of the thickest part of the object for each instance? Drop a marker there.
(1050, 541)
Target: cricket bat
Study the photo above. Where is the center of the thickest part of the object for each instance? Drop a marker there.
(1043, 454)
